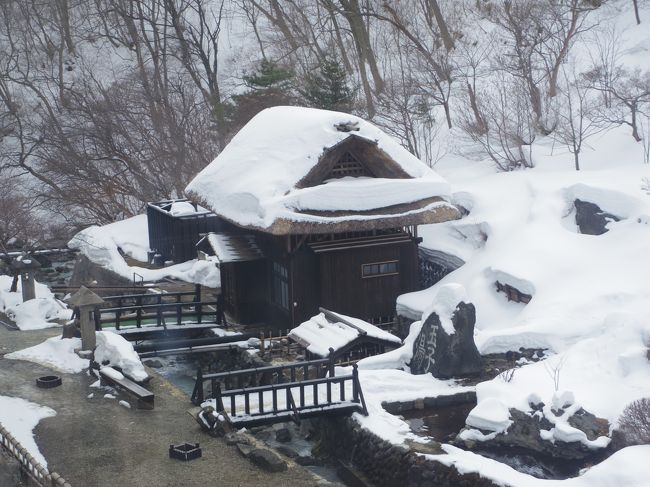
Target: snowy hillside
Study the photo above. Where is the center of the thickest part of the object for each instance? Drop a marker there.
(590, 294)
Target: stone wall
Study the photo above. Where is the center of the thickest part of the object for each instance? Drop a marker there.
(386, 464)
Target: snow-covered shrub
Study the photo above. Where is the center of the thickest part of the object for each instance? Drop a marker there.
(634, 423)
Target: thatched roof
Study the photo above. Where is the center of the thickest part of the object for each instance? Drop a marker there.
(294, 170)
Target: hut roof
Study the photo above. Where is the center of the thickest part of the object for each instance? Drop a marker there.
(324, 331)
(84, 297)
(302, 170)
(25, 262)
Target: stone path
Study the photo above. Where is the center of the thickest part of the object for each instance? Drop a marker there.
(96, 442)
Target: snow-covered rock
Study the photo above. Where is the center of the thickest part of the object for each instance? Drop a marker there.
(490, 415)
(113, 349)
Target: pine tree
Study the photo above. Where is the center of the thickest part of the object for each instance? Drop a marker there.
(270, 85)
(328, 88)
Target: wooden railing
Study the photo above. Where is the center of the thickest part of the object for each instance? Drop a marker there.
(161, 313)
(276, 343)
(278, 374)
(139, 299)
(283, 402)
(37, 472)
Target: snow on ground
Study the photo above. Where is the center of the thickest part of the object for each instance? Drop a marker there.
(100, 245)
(627, 467)
(20, 417)
(400, 358)
(56, 352)
(59, 354)
(590, 293)
(34, 314)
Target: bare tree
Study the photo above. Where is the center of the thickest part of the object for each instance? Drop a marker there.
(634, 422)
(577, 116)
(644, 128)
(630, 93)
(508, 124)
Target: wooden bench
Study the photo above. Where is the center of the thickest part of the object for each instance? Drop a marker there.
(110, 376)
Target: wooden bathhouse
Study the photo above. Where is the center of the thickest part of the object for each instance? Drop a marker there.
(316, 208)
(344, 338)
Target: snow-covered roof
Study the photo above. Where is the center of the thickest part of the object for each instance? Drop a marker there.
(232, 248)
(319, 334)
(270, 176)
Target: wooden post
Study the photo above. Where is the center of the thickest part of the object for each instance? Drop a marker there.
(86, 302)
(198, 388)
(330, 365)
(25, 265)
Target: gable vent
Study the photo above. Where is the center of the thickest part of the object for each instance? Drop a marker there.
(348, 165)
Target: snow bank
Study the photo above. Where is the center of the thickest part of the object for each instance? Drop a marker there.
(627, 467)
(57, 353)
(100, 245)
(20, 417)
(34, 314)
(400, 358)
(115, 350)
(490, 415)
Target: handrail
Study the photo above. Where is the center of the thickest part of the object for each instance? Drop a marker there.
(135, 307)
(256, 373)
(147, 295)
(270, 368)
(257, 393)
(31, 466)
(285, 385)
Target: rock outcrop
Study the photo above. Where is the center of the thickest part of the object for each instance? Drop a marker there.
(529, 430)
(591, 220)
(444, 354)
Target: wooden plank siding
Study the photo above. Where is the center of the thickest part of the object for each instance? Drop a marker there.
(329, 278)
(344, 289)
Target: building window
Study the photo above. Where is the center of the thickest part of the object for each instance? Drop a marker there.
(348, 165)
(378, 269)
(280, 285)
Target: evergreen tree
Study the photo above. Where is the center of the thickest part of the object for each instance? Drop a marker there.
(328, 88)
(270, 85)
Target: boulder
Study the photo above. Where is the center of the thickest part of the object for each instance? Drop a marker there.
(591, 220)
(524, 433)
(447, 355)
(267, 460)
(153, 363)
(283, 435)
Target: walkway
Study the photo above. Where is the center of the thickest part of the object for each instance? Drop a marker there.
(98, 443)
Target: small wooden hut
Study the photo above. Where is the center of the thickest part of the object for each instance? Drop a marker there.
(344, 338)
(317, 208)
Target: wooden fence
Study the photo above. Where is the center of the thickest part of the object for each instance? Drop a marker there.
(260, 376)
(159, 309)
(37, 472)
(308, 401)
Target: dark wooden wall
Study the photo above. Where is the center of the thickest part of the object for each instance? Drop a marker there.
(344, 290)
(330, 279)
(175, 237)
(244, 289)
